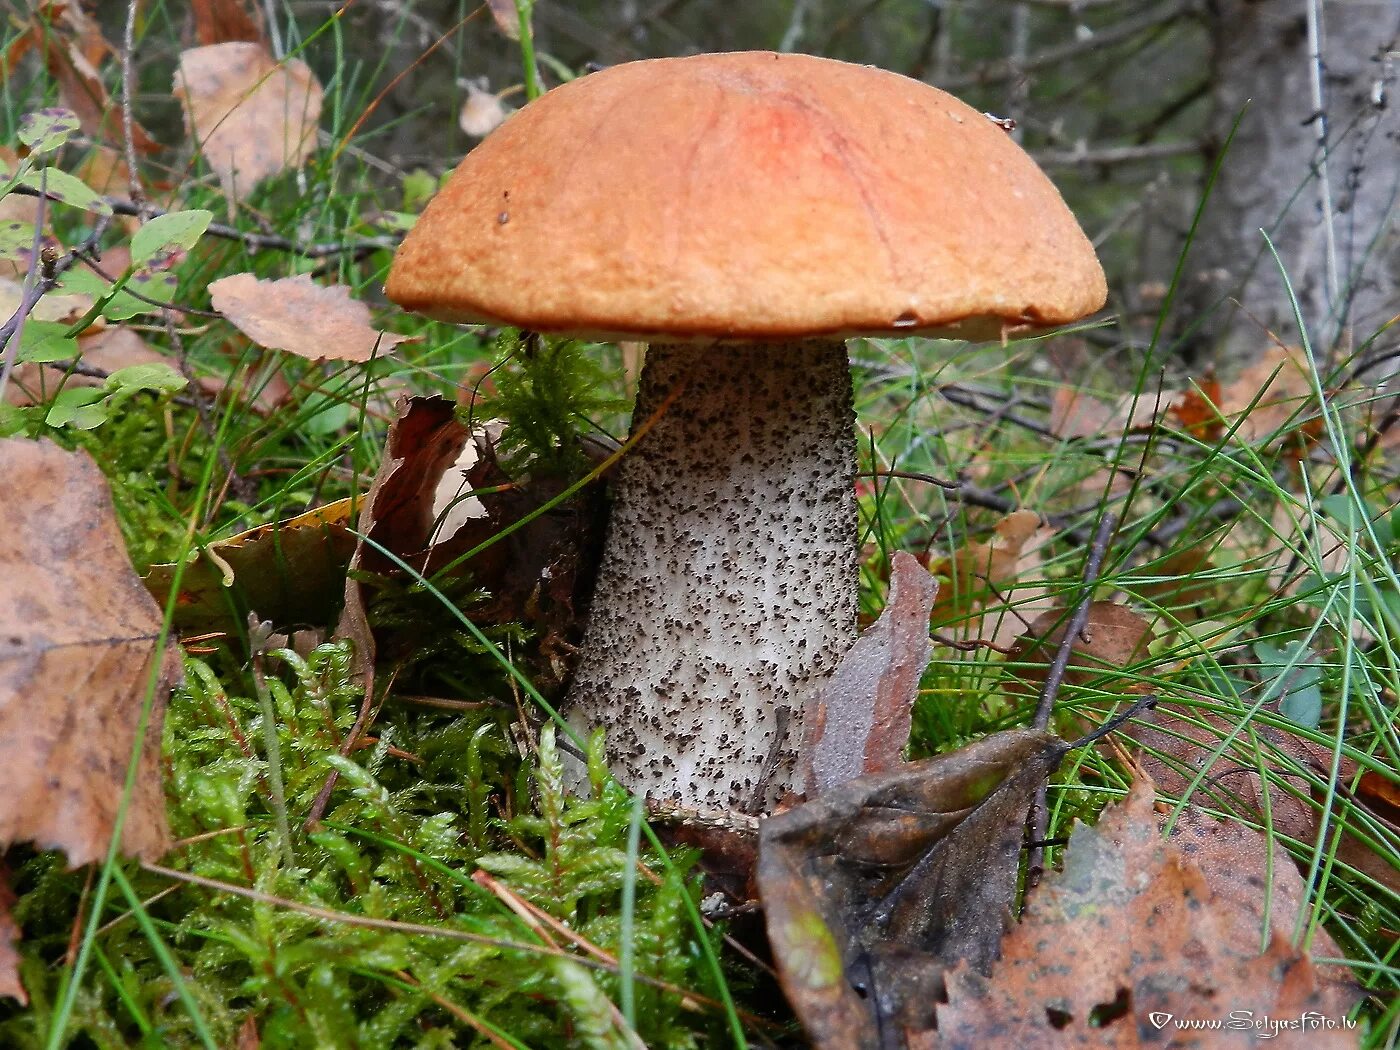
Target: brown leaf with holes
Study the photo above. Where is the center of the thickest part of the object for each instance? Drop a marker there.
(864, 708)
(1114, 638)
(11, 987)
(295, 314)
(222, 21)
(78, 646)
(249, 115)
(1139, 932)
(874, 889)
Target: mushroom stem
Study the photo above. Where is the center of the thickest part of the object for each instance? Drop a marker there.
(728, 586)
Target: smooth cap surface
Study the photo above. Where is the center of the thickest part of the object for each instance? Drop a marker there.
(752, 196)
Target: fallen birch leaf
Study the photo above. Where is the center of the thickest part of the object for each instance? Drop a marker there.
(289, 572)
(864, 708)
(78, 640)
(1138, 932)
(295, 314)
(250, 115)
(873, 890)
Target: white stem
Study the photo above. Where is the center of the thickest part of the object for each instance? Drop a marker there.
(727, 590)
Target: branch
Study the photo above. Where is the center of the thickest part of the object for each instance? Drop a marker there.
(1082, 156)
(258, 241)
(1002, 70)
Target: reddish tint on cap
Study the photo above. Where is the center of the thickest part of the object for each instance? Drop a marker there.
(751, 196)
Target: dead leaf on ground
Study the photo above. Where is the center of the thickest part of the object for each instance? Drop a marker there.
(222, 21)
(1281, 380)
(424, 507)
(250, 115)
(482, 112)
(290, 572)
(1181, 583)
(506, 16)
(1114, 637)
(1196, 409)
(872, 891)
(1078, 414)
(861, 724)
(983, 592)
(78, 640)
(72, 47)
(11, 986)
(295, 314)
(1179, 744)
(1137, 926)
(55, 308)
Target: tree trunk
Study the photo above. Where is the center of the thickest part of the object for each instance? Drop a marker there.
(1324, 183)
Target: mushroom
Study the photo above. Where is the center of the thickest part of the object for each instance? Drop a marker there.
(743, 213)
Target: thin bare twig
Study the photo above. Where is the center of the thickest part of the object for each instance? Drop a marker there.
(1038, 819)
(258, 241)
(138, 195)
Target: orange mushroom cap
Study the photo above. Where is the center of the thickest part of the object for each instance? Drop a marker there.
(749, 196)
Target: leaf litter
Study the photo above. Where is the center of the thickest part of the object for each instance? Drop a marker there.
(78, 647)
(1138, 933)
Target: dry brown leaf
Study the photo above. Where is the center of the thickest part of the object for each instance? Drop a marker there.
(873, 890)
(250, 115)
(1196, 410)
(57, 308)
(1281, 379)
(1076, 414)
(73, 47)
(1180, 582)
(78, 638)
(1138, 932)
(222, 21)
(11, 986)
(315, 321)
(864, 708)
(1178, 745)
(482, 112)
(976, 580)
(1114, 637)
(506, 16)
(289, 572)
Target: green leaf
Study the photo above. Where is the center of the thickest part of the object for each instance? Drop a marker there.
(45, 130)
(13, 419)
(79, 407)
(176, 229)
(66, 189)
(155, 376)
(16, 240)
(148, 284)
(1292, 671)
(43, 341)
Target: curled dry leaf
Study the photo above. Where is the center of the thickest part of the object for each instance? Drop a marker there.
(250, 115)
(298, 315)
(423, 508)
(865, 706)
(289, 572)
(1137, 927)
(506, 16)
(78, 644)
(873, 890)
